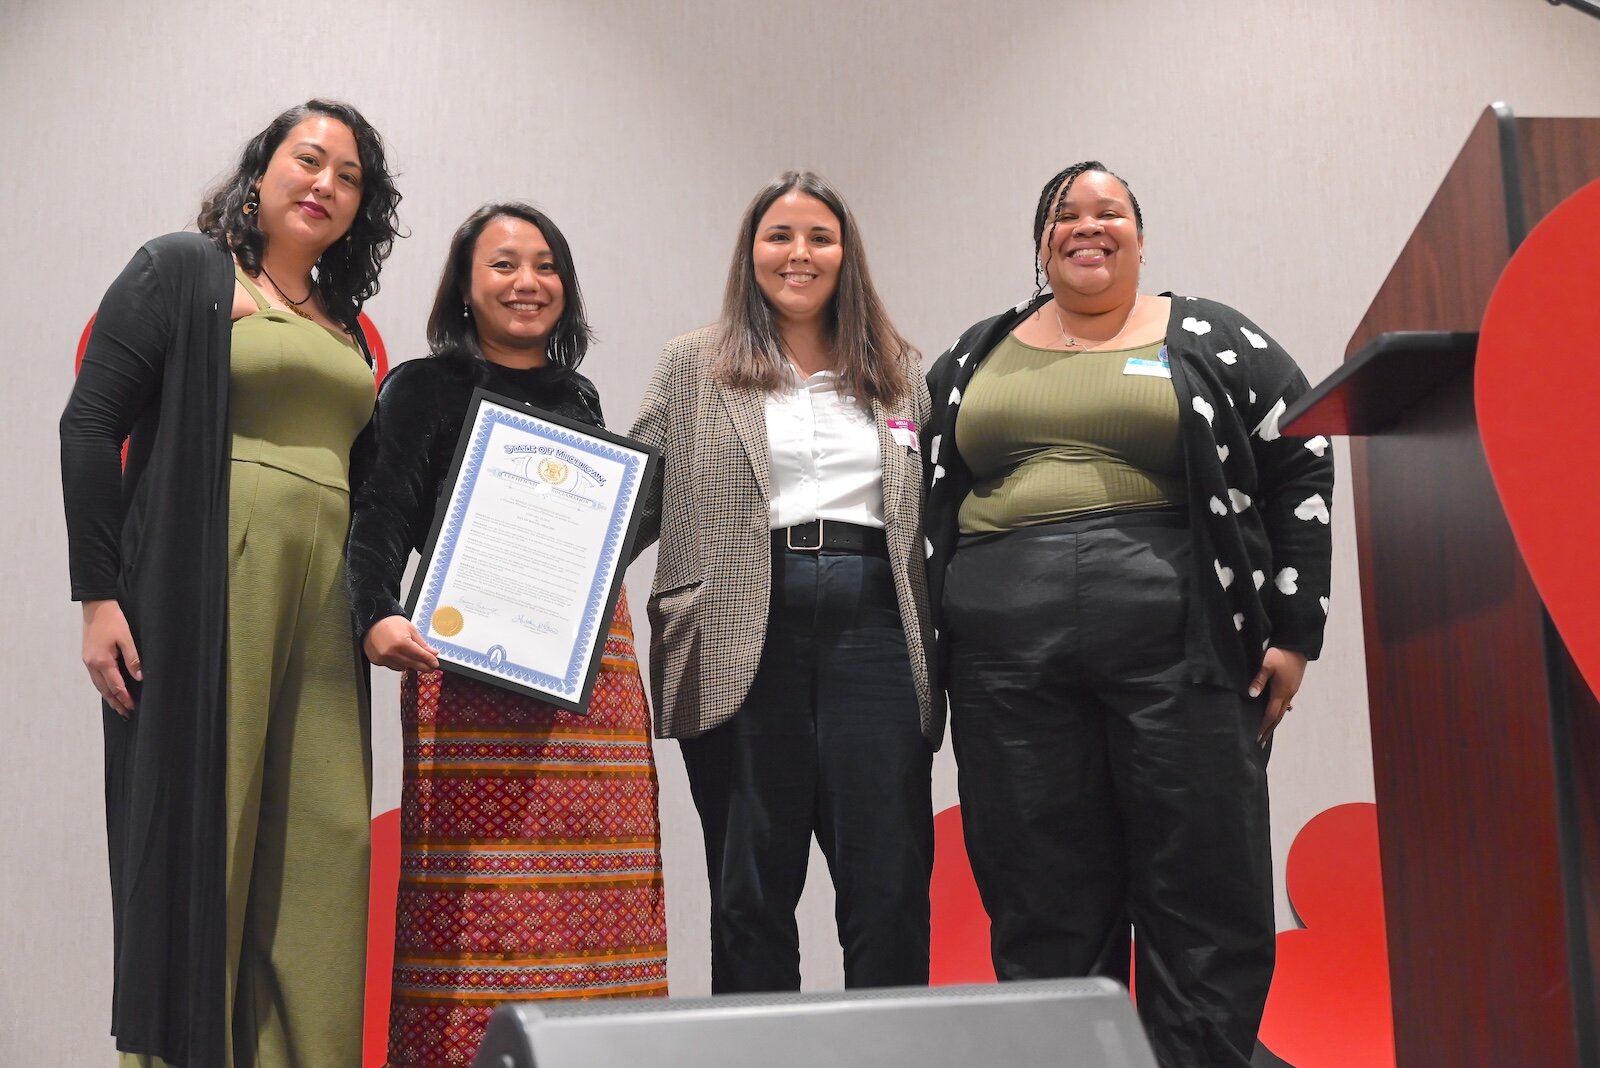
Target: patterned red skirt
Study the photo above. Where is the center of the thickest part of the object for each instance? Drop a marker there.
(530, 854)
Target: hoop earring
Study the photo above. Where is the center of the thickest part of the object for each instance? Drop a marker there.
(252, 201)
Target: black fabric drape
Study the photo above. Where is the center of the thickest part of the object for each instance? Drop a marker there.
(154, 536)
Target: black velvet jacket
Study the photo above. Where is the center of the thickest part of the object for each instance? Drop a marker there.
(421, 408)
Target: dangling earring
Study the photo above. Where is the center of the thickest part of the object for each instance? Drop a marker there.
(251, 201)
(466, 310)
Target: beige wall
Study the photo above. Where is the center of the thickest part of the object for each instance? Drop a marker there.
(1282, 150)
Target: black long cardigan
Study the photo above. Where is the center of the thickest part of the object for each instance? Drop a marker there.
(154, 535)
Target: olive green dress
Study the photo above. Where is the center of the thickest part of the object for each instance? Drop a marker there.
(299, 778)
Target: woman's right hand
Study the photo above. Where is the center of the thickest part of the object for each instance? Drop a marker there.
(393, 642)
(107, 645)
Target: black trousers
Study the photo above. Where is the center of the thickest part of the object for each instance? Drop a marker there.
(1098, 785)
(828, 742)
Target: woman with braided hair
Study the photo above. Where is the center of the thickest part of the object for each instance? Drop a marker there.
(1129, 564)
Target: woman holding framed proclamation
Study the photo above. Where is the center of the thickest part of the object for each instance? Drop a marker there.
(530, 863)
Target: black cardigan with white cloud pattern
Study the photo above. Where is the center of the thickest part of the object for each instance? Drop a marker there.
(1258, 500)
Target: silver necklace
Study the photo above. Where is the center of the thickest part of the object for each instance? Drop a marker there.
(1073, 343)
(1066, 339)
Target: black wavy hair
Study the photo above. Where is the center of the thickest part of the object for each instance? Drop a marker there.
(1053, 192)
(452, 333)
(347, 273)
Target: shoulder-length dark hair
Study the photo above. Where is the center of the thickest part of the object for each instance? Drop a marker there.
(452, 333)
(872, 359)
(347, 272)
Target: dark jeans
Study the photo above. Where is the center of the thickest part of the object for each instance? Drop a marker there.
(1098, 785)
(828, 741)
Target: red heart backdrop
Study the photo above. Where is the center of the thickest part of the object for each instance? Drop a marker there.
(1537, 389)
(1329, 1004)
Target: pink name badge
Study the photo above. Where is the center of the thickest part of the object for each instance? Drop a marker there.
(904, 433)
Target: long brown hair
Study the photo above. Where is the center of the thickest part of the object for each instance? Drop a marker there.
(874, 362)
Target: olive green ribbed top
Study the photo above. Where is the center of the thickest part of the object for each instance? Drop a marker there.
(298, 394)
(1049, 435)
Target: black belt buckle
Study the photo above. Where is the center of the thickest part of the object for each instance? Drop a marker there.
(807, 531)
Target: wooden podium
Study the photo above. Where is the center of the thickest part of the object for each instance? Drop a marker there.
(1486, 741)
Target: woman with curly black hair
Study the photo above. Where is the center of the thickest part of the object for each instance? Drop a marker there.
(216, 624)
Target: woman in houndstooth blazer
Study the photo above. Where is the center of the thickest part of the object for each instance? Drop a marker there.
(789, 616)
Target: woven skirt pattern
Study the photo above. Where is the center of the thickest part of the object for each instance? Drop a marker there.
(530, 863)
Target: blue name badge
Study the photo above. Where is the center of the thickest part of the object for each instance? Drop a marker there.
(1156, 368)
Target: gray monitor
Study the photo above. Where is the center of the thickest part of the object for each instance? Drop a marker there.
(1083, 1023)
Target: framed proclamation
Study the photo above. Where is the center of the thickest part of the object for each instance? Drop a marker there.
(531, 536)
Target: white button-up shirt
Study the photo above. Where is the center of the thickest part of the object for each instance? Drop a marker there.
(825, 460)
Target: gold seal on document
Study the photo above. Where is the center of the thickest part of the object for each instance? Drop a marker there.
(447, 621)
(552, 471)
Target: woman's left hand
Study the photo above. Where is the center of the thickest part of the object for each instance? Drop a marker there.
(1280, 675)
(394, 642)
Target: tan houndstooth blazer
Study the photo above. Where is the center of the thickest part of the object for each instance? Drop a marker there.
(709, 508)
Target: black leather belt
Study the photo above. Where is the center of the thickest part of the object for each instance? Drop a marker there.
(833, 536)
